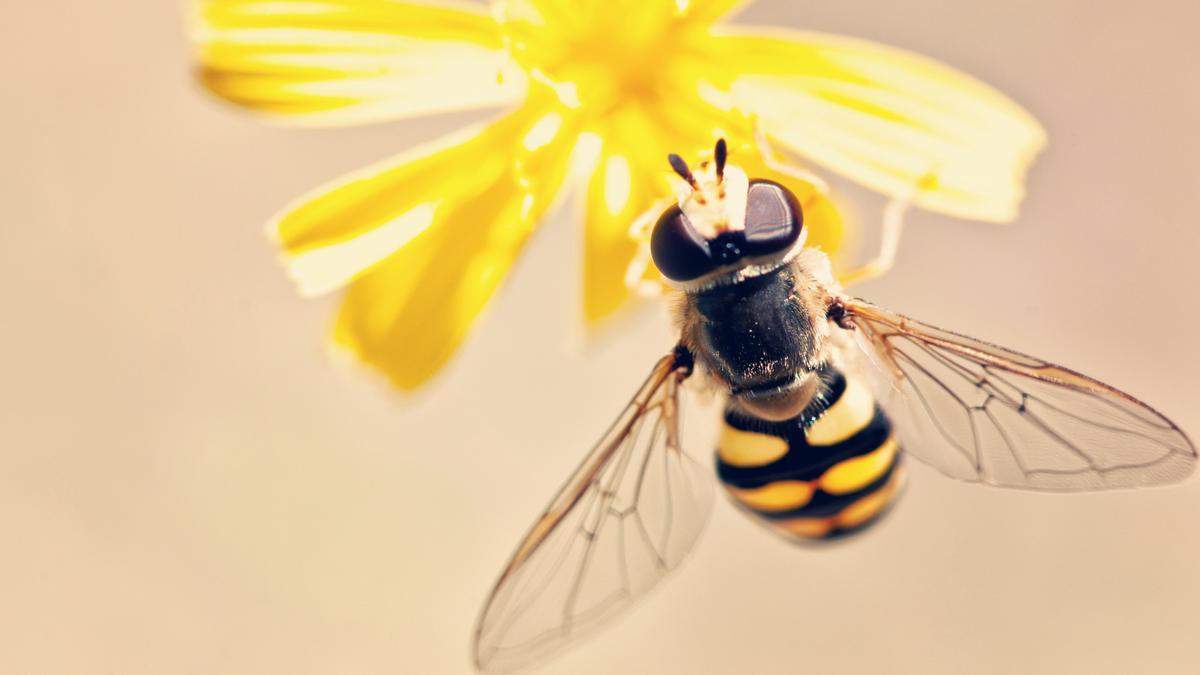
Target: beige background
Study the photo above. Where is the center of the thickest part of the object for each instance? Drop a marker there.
(188, 484)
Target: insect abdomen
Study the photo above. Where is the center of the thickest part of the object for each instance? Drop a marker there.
(831, 471)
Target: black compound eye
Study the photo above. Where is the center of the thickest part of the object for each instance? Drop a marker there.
(773, 225)
(773, 218)
(680, 253)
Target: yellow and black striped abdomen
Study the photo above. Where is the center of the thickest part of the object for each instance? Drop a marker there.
(829, 472)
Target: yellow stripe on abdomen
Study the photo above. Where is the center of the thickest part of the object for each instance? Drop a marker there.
(858, 472)
(747, 448)
(869, 507)
(783, 495)
(853, 515)
(850, 414)
(809, 528)
(859, 513)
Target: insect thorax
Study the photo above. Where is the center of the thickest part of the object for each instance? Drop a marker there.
(757, 330)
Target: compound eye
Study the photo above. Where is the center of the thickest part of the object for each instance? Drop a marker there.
(680, 253)
(774, 219)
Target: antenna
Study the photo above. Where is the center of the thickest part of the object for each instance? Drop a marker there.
(721, 153)
(682, 169)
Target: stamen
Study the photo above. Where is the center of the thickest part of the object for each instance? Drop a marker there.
(721, 153)
(682, 169)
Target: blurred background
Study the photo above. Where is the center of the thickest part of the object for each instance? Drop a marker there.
(190, 484)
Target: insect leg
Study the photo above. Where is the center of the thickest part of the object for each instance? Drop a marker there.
(784, 167)
(891, 228)
(639, 231)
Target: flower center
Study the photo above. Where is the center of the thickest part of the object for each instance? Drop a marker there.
(595, 56)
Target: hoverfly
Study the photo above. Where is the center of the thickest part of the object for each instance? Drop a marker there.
(810, 447)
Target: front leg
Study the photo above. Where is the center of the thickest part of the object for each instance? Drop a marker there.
(635, 272)
(891, 228)
(782, 166)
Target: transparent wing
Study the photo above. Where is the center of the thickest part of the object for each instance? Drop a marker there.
(626, 518)
(983, 413)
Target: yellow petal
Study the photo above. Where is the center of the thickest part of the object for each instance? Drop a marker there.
(628, 181)
(333, 234)
(899, 123)
(408, 316)
(350, 61)
(426, 240)
(566, 12)
(615, 198)
(708, 11)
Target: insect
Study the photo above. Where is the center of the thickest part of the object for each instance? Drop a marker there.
(809, 446)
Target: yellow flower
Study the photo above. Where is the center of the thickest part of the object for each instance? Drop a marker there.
(420, 242)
